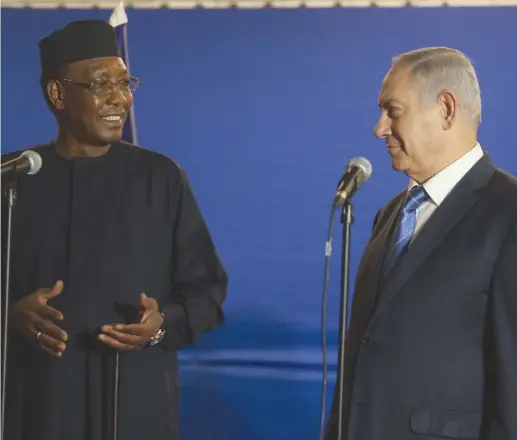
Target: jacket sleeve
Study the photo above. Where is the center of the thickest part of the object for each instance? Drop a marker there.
(199, 281)
(501, 346)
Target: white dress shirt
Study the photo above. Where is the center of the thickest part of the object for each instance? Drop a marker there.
(442, 183)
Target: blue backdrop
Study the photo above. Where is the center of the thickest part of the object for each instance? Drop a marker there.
(264, 108)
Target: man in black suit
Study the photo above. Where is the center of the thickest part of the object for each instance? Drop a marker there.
(432, 344)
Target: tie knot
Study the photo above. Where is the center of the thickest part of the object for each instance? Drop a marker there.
(415, 198)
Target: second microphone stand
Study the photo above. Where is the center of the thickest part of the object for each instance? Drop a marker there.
(346, 220)
(11, 194)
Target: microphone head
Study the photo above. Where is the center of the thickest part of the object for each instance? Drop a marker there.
(364, 164)
(358, 170)
(35, 161)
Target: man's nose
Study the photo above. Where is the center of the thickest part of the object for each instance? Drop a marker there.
(383, 128)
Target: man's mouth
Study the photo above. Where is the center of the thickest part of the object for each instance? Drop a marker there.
(393, 149)
(113, 120)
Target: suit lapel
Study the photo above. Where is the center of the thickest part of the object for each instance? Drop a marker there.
(463, 196)
(373, 254)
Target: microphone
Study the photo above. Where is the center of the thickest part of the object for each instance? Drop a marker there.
(29, 162)
(359, 170)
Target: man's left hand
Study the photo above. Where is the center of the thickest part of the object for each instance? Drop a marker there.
(134, 336)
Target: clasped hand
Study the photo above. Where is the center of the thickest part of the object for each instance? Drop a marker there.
(33, 318)
(134, 336)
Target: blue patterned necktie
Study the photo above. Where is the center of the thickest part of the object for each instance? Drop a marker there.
(405, 227)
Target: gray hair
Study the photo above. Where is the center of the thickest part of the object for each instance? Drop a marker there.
(437, 69)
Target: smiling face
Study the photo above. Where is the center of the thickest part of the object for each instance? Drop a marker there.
(93, 115)
(413, 135)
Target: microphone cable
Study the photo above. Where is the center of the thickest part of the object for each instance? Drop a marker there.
(328, 253)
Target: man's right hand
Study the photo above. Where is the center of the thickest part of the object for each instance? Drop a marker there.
(33, 318)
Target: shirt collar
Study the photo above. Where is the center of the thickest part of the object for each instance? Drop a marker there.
(441, 184)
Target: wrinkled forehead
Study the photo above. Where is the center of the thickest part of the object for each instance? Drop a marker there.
(98, 67)
(397, 85)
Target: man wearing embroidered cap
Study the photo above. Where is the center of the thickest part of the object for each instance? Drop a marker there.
(110, 253)
(432, 344)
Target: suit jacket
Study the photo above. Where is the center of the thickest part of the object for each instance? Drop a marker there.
(433, 352)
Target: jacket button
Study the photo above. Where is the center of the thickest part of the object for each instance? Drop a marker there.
(367, 340)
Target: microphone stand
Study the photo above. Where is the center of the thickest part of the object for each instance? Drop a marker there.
(116, 381)
(11, 194)
(346, 220)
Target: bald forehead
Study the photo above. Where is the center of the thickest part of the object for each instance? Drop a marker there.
(397, 87)
(109, 67)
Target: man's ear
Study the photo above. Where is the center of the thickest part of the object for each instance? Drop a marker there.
(449, 109)
(56, 94)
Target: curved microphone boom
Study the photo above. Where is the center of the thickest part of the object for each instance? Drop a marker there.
(359, 170)
(29, 162)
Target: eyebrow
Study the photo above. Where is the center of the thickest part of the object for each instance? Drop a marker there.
(103, 74)
(390, 101)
